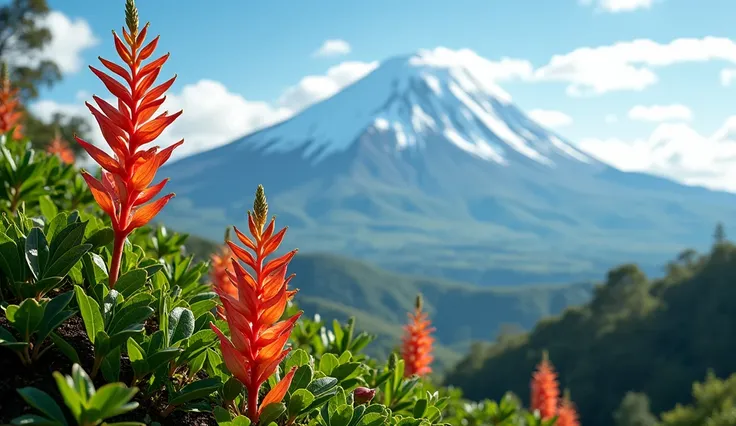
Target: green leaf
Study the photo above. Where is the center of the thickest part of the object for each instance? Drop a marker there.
(65, 348)
(320, 386)
(90, 311)
(54, 315)
(64, 263)
(342, 416)
(101, 238)
(36, 252)
(30, 419)
(137, 357)
(327, 363)
(56, 224)
(195, 390)
(130, 282)
(67, 238)
(302, 377)
(119, 338)
(110, 366)
(231, 389)
(372, 419)
(346, 371)
(163, 356)
(43, 403)
(297, 358)
(271, 412)
(181, 324)
(300, 400)
(26, 318)
(125, 318)
(48, 208)
(113, 399)
(420, 407)
(202, 307)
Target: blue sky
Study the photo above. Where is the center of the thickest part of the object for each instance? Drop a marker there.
(236, 61)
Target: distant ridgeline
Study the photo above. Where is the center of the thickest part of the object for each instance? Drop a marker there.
(636, 335)
(462, 313)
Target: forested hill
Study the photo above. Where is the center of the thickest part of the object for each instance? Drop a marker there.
(339, 287)
(655, 337)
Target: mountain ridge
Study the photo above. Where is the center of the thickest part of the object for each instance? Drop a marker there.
(516, 204)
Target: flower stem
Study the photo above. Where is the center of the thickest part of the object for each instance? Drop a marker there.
(253, 404)
(117, 256)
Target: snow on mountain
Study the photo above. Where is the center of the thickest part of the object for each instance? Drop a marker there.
(426, 166)
(417, 97)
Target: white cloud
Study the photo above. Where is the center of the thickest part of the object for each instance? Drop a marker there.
(617, 6)
(611, 118)
(550, 118)
(677, 151)
(660, 113)
(214, 116)
(629, 65)
(69, 38)
(334, 47)
(727, 76)
(315, 88)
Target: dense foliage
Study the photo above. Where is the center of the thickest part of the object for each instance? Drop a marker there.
(106, 320)
(637, 335)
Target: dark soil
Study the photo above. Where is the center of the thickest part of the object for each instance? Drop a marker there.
(14, 375)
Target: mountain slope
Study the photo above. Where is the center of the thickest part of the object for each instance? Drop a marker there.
(425, 166)
(338, 288)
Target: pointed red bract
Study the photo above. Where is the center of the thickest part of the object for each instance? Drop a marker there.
(128, 174)
(60, 148)
(219, 278)
(417, 343)
(545, 391)
(253, 302)
(567, 415)
(9, 106)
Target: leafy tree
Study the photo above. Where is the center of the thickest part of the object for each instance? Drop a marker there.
(634, 411)
(719, 235)
(22, 39)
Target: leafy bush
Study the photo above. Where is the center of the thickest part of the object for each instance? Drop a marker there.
(89, 289)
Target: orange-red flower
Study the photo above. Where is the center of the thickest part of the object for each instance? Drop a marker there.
(125, 191)
(417, 344)
(545, 391)
(60, 148)
(567, 415)
(256, 344)
(218, 275)
(9, 103)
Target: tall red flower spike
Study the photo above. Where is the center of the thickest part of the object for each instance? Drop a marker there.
(417, 344)
(9, 103)
(545, 391)
(60, 148)
(218, 274)
(567, 415)
(124, 191)
(256, 344)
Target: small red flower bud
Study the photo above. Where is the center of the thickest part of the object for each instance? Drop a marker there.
(363, 395)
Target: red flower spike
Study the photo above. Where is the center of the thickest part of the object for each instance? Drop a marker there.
(60, 148)
(567, 415)
(125, 193)
(252, 304)
(9, 105)
(221, 283)
(417, 345)
(545, 391)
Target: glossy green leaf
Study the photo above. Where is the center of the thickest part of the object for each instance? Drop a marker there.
(91, 315)
(181, 324)
(42, 402)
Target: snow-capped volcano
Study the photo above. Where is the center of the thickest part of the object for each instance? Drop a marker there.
(416, 98)
(425, 165)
